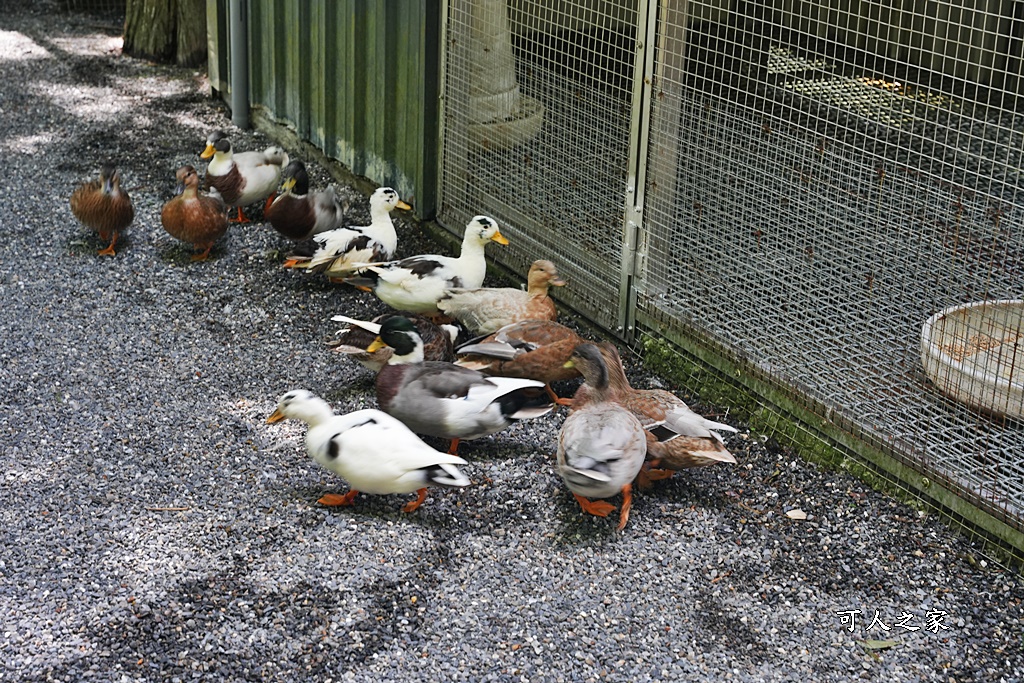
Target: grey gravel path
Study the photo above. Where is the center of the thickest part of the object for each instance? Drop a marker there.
(154, 528)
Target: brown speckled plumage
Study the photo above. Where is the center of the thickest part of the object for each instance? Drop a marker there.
(695, 445)
(104, 206)
(486, 309)
(194, 218)
(539, 349)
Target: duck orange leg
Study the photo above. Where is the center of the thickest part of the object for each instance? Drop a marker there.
(334, 500)
(598, 508)
(421, 495)
(453, 448)
(266, 205)
(627, 503)
(109, 250)
(650, 473)
(554, 397)
(241, 217)
(204, 255)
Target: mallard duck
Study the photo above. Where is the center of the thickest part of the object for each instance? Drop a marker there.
(678, 437)
(486, 309)
(243, 178)
(601, 446)
(372, 451)
(334, 252)
(444, 400)
(534, 349)
(415, 284)
(192, 217)
(438, 340)
(297, 214)
(104, 206)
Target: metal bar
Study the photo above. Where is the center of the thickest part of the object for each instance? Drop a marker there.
(639, 131)
(239, 37)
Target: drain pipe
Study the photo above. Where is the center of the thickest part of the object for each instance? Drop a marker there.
(238, 37)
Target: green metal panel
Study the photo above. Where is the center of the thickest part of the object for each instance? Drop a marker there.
(218, 67)
(357, 78)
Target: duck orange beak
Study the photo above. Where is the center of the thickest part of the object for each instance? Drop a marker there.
(499, 238)
(402, 205)
(208, 152)
(275, 416)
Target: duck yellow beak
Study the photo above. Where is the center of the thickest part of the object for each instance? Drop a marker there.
(499, 238)
(288, 184)
(402, 205)
(569, 364)
(208, 152)
(275, 416)
(376, 345)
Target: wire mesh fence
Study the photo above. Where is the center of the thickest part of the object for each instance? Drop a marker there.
(537, 130)
(818, 180)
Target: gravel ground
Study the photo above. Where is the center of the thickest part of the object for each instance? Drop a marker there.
(154, 528)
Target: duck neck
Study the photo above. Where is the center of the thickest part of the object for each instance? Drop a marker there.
(471, 245)
(537, 290)
(314, 413)
(221, 163)
(617, 382)
(381, 227)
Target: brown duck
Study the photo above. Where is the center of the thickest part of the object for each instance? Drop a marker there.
(296, 213)
(532, 349)
(104, 206)
(192, 217)
(486, 309)
(678, 438)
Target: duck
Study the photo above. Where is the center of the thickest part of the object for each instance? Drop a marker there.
(298, 214)
(244, 178)
(104, 206)
(601, 445)
(193, 217)
(372, 451)
(334, 252)
(534, 349)
(440, 399)
(438, 340)
(678, 438)
(417, 283)
(484, 310)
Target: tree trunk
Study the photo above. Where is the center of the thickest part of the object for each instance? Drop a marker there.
(191, 48)
(166, 30)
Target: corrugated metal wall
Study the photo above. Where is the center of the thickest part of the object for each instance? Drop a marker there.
(356, 78)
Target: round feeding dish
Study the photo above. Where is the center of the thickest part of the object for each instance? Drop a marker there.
(973, 353)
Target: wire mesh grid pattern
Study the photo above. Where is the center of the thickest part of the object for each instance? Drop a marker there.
(819, 179)
(822, 212)
(556, 187)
